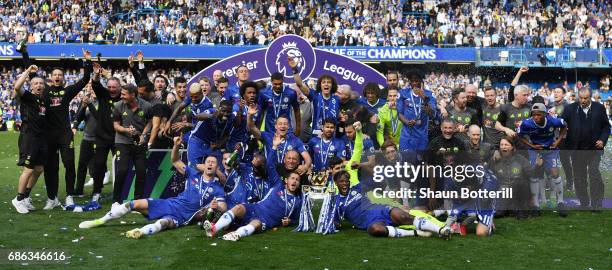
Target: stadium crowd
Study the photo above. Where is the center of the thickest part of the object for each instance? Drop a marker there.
(555, 23)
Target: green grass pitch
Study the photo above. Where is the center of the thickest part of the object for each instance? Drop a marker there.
(581, 241)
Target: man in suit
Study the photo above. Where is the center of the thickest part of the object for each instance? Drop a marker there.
(588, 131)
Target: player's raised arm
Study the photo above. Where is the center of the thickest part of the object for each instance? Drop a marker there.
(251, 124)
(178, 164)
(297, 78)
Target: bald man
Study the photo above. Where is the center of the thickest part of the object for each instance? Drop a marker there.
(479, 150)
(474, 101)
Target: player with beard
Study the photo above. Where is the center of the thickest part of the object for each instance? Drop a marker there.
(233, 91)
(326, 145)
(280, 206)
(278, 143)
(464, 116)
(201, 189)
(32, 145)
(105, 131)
(490, 113)
(392, 83)
(325, 102)
(58, 131)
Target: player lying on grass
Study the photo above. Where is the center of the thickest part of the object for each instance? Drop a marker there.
(377, 219)
(281, 206)
(202, 189)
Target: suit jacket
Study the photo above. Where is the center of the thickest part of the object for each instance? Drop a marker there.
(599, 123)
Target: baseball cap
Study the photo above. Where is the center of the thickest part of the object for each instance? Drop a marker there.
(538, 107)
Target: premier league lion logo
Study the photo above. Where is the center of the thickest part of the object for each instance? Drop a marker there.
(290, 50)
(290, 46)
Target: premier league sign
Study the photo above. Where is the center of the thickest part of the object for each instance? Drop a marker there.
(312, 63)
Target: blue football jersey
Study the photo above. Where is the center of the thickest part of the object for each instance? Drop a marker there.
(411, 107)
(323, 108)
(321, 150)
(291, 142)
(197, 189)
(542, 135)
(211, 130)
(372, 108)
(353, 207)
(198, 108)
(279, 203)
(276, 105)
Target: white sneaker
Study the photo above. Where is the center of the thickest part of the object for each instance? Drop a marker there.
(95, 197)
(20, 206)
(52, 204)
(233, 236)
(106, 178)
(29, 205)
(69, 200)
(89, 183)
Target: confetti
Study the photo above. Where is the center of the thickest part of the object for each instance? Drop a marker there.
(365, 261)
(45, 235)
(213, 244)
(99, 257)
(123, 222)
(63, 229)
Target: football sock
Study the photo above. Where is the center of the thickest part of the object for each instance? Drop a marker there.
(424, 224)
(27, 192)
(117, 211)
(246, 230)
(534, 185)
(152, 228)
(20, 196)
(558, 188)
(397, 232)
(542, 190)
(225, 220)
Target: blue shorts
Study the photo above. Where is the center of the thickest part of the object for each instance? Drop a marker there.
(550, 158)
(197, 149)
(254, 212)
(178, 209)
(378, 213)
(484, 213)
